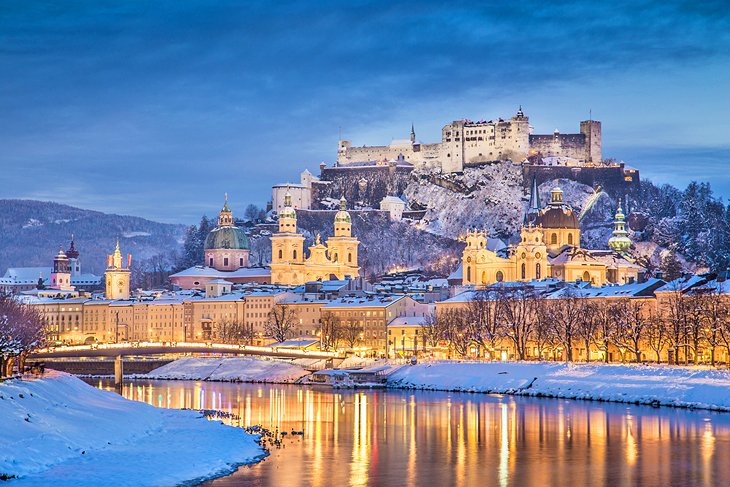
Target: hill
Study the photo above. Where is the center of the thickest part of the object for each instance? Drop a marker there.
(31, 232)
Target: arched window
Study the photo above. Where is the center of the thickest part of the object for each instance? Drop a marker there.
(500, 276)
(484, 277)
(587, 276)
(294, 254)
(554, 239)
(281, 254)
(537, 271)
(240, 262)
(210, 262)
(349, 257)
(524, 269)
(468, 274)
(334, 257)
(570, 239)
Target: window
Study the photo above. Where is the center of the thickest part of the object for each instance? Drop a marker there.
(537, 270)
(294, 254)
(225, 261)
(554, 239)
(570, 239)
(240, 262)
(500, 276)
(523, 270)
(210, 262)
(468, 274)
(349, 257)
(281, 254)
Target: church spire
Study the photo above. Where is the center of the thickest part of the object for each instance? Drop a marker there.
(225, 218)
(620, 242)
(413, 134)
(534, 206)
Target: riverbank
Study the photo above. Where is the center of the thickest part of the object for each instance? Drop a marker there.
(640, 384)
(228, 369)
(60, 431)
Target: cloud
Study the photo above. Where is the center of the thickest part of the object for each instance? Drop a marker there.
(175, 102)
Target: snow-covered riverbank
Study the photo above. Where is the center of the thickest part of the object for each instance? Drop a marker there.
(60, 431)
(669, 386)
(228, 369)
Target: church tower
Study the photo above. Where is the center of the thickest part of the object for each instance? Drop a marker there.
(287, 248)
(74, 264)
(342, 248)
(620, 242)
(117, 276)
(61, 275)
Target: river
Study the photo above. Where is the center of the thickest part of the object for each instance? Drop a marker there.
(394, 438)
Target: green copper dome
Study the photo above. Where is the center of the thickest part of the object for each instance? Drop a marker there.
(342, 217)
(227, 238)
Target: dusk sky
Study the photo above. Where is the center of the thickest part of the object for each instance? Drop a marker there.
(156, 109)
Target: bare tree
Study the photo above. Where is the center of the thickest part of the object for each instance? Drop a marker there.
(234, 331)
(658, 335)
(676, 314)
(482, 324)
(433, 329)
(351, 332)
(542, 332)
(22, 329)
(632, 323)
(330, 329)
(588, 324)
(516, 309)
(458, 330)
(281, 321)
(716, 313)
(566, 313)
(605, 327)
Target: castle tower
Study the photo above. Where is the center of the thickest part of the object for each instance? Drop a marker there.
(74, 264)
(591, 129)
(226, 246)
(61, 275)
(117, 276)
(620, 242)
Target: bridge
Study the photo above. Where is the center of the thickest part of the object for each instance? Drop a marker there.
(167, 348)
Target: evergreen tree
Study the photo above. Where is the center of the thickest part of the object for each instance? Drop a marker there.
(671, 267)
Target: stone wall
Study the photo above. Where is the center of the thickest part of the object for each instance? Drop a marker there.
(614, 179)
(362, 186)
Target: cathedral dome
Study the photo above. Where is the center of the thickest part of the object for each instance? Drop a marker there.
(288, 212)
(229, 237)
(557, 218)
(557, 214)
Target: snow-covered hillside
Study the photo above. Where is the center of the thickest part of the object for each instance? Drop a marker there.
(670, 386)
(60, 431)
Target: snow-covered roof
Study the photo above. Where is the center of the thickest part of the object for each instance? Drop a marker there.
(393, 199)
(363, 302)
(219, 281)
(457, 274)
(408, 322)
(637, 289)
(203, 271)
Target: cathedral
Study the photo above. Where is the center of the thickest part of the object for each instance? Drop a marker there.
(334, 259)
(549, 247)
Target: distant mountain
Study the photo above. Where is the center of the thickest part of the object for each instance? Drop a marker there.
(31, 232)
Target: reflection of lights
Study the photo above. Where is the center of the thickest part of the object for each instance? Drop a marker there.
(631, 446)
(504, 447)
(359, 464)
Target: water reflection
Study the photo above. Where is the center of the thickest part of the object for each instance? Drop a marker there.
(435, 439)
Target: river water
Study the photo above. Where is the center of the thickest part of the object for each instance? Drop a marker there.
(395, 438)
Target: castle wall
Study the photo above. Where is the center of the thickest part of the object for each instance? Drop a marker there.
(614, 178)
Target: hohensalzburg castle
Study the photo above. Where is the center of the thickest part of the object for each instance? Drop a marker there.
(468, 142)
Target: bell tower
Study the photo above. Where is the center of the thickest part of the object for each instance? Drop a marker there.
(117, 276)
(61, 275)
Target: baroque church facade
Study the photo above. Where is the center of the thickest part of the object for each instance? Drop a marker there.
(337, 258)
(549, 247)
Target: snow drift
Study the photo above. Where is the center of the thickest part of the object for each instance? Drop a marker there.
(60, 431)
(230, 369)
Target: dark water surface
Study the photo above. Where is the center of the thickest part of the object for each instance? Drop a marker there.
(395, 438)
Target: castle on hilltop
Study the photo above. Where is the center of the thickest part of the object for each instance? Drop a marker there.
(467, 142)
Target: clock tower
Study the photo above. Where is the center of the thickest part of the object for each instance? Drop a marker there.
(117, 276)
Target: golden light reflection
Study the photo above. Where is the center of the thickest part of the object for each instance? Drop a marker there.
(406, 438)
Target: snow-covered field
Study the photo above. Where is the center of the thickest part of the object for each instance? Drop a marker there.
(234, 369)
(670, 386)
(60, 431)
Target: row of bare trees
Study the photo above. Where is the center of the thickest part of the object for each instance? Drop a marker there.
(22, 329)
(532, 326)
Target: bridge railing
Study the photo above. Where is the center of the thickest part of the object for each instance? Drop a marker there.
(189, 345)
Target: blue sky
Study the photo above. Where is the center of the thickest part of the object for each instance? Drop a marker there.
(158, 108)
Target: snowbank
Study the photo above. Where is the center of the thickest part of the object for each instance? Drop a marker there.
(670, 386)
(60, 431)
(233, 369)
